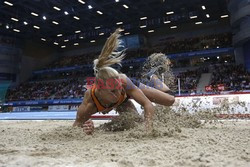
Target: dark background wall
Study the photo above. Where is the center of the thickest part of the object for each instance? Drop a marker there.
(36, 55)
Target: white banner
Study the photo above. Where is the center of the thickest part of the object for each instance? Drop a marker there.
(21, 109)
(226, 104)
(73, 107)
(58, 108)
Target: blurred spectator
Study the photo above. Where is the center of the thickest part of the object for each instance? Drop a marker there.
(189, 80)
(233, 77)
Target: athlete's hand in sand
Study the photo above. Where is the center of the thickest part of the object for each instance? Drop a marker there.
(149, 111)
(88, 127)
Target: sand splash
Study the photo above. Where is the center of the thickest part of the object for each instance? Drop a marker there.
(166, 123)
(130, 125)
(161, 65)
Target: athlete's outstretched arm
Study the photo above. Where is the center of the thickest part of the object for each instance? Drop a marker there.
(134, 92)
(84, 112)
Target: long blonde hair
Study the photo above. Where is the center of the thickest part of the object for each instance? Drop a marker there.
(108, 57)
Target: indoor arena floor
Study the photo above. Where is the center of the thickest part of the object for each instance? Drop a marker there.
(56, 143)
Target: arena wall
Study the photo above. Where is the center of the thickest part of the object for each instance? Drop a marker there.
(36, 55)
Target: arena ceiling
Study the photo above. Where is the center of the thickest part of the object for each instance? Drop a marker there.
(57, 21)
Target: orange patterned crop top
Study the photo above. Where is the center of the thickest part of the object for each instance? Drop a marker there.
(103, 109)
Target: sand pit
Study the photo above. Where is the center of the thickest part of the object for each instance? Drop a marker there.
(56, 143)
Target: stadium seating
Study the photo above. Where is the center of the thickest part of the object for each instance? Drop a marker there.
(71, 84)
(233, 77)
(195, 44)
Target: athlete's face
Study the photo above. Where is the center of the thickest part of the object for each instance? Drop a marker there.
(113, 95)
(112, 90)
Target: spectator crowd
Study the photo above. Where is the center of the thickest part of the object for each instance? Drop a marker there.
(233, 77)
(195, 44)
(72, 84)
(167, 47)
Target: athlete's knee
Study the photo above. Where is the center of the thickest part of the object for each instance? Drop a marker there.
(169, 101)
(171, 98)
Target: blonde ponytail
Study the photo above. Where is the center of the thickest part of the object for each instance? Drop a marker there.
(108, 57)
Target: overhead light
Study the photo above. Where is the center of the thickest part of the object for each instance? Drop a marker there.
(143, 18)
(207, 15)
(101, 34)
(25, 23)
(14, 19)
(97, 27)
(54, 22)
(78, 31)
(44, 17)
(125, 6)
(193, 17)
(16, 30)
(8, 3)
(55, 43)
(66, 40)
(203, 7)
(150, 31)
(76, 44)
(173, 27)
(198, 22)
(218, 57)
(167, 22)
(116, 0)
(43, 39)
(81, 37)
(36, 27)
(56, 8)
(59, 35)
(7, 26)
(144, 26)
(63, 46)
(34, 14)
(127, 33)
(93, 41)
(77, 18)
(119, 23)
(90, 7)
(168, 13)
(99, 12)
(66, 13)
(224, 16)
(82, 2)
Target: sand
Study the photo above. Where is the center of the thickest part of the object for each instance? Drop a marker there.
(178, 139)
(56, 143)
